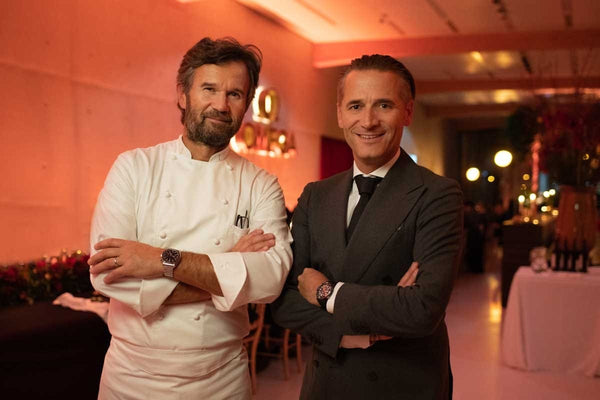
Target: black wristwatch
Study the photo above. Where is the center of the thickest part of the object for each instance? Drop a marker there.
(170, 259)
(324, 292)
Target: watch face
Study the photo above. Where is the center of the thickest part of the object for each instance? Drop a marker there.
(171, 256)
(325, 290)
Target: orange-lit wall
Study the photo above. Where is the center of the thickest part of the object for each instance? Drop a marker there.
(83, 81)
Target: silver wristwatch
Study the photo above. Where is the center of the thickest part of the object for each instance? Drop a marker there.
(170, 259)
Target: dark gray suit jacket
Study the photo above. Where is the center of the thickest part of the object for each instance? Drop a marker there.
(414, 215)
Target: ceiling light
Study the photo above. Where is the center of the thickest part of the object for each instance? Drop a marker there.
(503, 158)
(472, 174)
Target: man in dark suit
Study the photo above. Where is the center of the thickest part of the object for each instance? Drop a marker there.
(357, 239)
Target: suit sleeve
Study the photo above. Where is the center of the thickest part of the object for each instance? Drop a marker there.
(413, 311)
(291, 310)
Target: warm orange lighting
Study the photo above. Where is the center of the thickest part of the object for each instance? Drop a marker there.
(260, 137)
(495, 313)
(477, 56)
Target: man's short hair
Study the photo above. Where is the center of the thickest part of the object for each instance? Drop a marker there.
(219, 51)
(380, 63)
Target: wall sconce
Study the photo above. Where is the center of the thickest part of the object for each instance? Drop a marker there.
(260, 137)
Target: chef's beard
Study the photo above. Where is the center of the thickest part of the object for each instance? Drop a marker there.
(212, 134)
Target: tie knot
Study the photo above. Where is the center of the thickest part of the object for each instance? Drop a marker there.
(366, 185)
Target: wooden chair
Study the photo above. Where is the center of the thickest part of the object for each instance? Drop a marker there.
(257, 318)
(284, 343)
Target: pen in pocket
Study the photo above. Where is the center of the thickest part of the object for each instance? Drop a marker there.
(242, 222)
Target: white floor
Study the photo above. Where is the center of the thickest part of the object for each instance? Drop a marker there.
(474, 323)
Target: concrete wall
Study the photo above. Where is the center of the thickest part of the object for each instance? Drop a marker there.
(83, 80)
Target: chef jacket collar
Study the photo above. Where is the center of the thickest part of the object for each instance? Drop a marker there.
(184, 151)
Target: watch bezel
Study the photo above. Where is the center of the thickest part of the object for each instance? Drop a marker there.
(170, 259)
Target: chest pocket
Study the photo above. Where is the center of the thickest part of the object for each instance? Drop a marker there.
(234, 235)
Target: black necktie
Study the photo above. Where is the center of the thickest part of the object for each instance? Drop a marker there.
(366, 187)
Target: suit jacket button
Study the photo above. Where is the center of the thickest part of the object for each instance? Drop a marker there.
(316, 363)
(372, 376)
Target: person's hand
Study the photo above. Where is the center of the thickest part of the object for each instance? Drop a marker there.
(126, 259)
(410, 277)
(308, 282)
(256, 240)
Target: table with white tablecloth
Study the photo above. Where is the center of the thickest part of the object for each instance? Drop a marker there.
(552, 322)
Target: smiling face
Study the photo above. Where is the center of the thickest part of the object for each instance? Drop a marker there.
(215, 104)
(375, 107)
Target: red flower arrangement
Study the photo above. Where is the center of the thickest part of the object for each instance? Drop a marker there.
(45, 279)
(570, 143)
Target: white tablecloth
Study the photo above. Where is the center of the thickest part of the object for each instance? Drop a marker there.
(552, 322)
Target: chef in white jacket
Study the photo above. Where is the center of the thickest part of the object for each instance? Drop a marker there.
(184, 235)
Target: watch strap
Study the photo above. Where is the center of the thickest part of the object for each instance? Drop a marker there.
(170, 259)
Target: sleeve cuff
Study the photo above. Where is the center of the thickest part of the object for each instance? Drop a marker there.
(153, 293)
(331, 302)
(231, 274)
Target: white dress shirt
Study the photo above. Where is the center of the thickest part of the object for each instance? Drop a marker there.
(162, 197)
(359, 341)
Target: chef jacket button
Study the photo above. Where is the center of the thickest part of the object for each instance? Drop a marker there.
(229, 167)
(217, 242)
(160, 316)
(197, 317)
(225, 201)
(173, 157)
(163, 235)
(168, 194)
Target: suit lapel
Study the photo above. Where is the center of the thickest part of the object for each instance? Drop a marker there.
(333, 217)
(394, 198)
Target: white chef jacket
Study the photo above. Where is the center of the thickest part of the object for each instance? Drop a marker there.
(161, 196)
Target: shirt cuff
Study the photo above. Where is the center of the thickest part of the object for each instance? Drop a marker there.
(231, 274)
(331, 301)
(355, 341)
(153, 292)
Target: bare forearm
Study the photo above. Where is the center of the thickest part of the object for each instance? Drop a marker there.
(184, 293)
(197, 270)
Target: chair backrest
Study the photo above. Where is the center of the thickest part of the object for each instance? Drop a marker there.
(256, 313)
